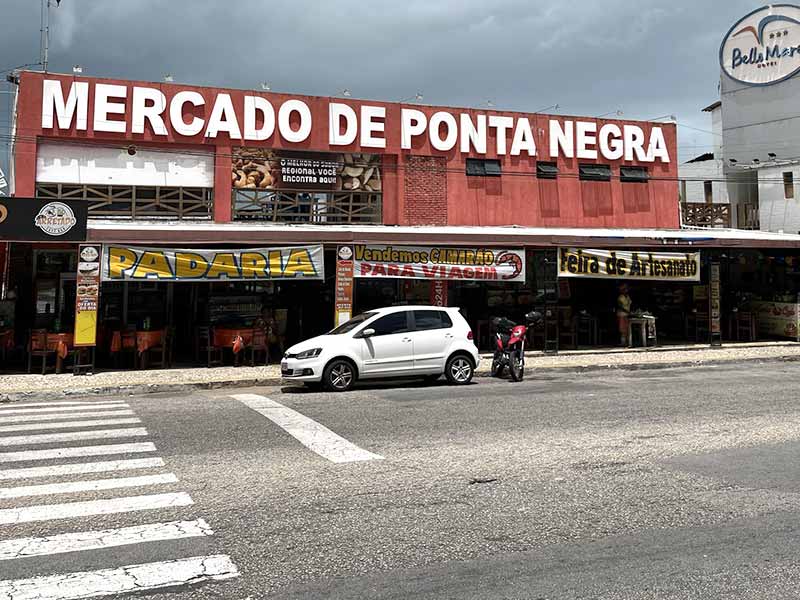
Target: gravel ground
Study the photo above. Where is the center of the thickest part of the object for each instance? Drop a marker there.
(581, 359)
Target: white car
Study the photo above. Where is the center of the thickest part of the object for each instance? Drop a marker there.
(401, 341)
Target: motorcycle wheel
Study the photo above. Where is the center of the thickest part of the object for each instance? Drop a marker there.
(497, 368)
(517, 367)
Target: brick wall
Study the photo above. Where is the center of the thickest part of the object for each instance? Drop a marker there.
(425, 190)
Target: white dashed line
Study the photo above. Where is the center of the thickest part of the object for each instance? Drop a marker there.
(308, 432)
(68, 424)
(95, 485)
(51, 409)
(81, 468)
(132, 578)
(47, 438)
(65, 416)
(104, 450)
(11, 406)
(106, 538)
(50, 512)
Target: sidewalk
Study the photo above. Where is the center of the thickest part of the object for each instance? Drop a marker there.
(24, 387)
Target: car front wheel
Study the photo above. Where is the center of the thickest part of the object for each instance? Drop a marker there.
(339, 376)
(459, 370)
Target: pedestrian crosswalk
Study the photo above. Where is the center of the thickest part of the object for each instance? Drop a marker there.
(52, 450)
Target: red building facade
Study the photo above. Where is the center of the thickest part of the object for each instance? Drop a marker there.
(530, 170)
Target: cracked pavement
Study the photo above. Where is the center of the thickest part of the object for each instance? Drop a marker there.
(679, 483)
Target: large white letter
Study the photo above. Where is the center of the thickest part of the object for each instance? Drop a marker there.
(523, 138)
(450, 138)
(335, 113)
(103, 107)
(502, 125)
(180, 126)
(611, 149)
(634, 142)
(473, 134)
(658, 146)
(252, 106)
(412, 122)
(223, 118)
(561, 139)
(285, 121)
(584, 131)
(53, 104)
(369, 126)
(141, 112)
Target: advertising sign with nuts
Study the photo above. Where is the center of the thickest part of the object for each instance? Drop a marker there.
(279, 170)
(87, 295)
(439, 262)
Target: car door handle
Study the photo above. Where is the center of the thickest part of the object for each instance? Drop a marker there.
(406, 339)
(448, 335)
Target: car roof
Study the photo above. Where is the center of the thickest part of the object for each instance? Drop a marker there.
(391, 309)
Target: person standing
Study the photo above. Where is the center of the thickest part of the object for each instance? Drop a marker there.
(624, 303)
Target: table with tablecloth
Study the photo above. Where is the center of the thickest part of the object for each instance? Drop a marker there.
(61, 344)
(237, 339)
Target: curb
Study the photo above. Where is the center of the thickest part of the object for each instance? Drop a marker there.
(135, 390)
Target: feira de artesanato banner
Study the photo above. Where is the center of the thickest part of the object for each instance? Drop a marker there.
(629, 264)
(133, 263)
(439, 262)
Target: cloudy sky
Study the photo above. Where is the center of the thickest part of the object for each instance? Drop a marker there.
(645, 58)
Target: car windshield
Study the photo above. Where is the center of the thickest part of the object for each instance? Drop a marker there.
(352, 323)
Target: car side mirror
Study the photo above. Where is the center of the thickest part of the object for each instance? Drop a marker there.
(368, 332)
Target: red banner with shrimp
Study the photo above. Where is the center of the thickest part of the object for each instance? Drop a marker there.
(439, 262)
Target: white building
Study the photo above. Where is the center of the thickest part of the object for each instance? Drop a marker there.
(749, 180)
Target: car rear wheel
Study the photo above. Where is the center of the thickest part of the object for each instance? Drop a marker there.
(459, 370)
(339, 376)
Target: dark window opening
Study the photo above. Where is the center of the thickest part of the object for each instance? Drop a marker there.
(633, 174)
(546, 170)
(708, 191)
(788, 185)
(595, 172)
(480, 167)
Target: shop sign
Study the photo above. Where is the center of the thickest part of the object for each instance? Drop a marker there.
(129, 263)
(440, 262)
(619, 264)
(267, 169)
(781, 319)
(763, 47)
(343, 310)
(37, 220)
(87, 294)
(714, 303)
(439, 292)
(169, 112)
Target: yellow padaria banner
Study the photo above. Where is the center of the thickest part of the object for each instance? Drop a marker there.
(129, 263)
(629, 264)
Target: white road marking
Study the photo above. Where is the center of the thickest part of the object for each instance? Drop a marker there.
(52, 409)
(47, 438)
(69, 510)
(308, 432)
(132, 578)
(73, 452)
(65, 415)
(94, 485)
(81, 468)
(13, 405)
(68, 424)
(107, 538)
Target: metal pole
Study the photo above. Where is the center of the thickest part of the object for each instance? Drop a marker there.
(44, 31)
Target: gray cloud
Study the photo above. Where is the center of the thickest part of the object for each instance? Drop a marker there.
(646, 58)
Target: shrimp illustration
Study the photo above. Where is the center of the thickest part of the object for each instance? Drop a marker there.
(511, 259)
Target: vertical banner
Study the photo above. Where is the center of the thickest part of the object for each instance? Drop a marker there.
(344, 285)
(87, 294)
(4, 260)
(714, 305)
(439, 292)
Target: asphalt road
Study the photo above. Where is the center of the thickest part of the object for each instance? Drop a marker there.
(678, 483)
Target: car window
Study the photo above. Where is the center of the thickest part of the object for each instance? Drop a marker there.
(352, 323)
(425, 320)
(392, 323)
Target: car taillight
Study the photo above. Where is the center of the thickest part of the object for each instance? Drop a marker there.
(469, 334)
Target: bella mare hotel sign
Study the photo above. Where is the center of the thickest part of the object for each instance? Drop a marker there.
(133, 109)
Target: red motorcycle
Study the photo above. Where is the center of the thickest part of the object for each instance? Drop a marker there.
(510, 345)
